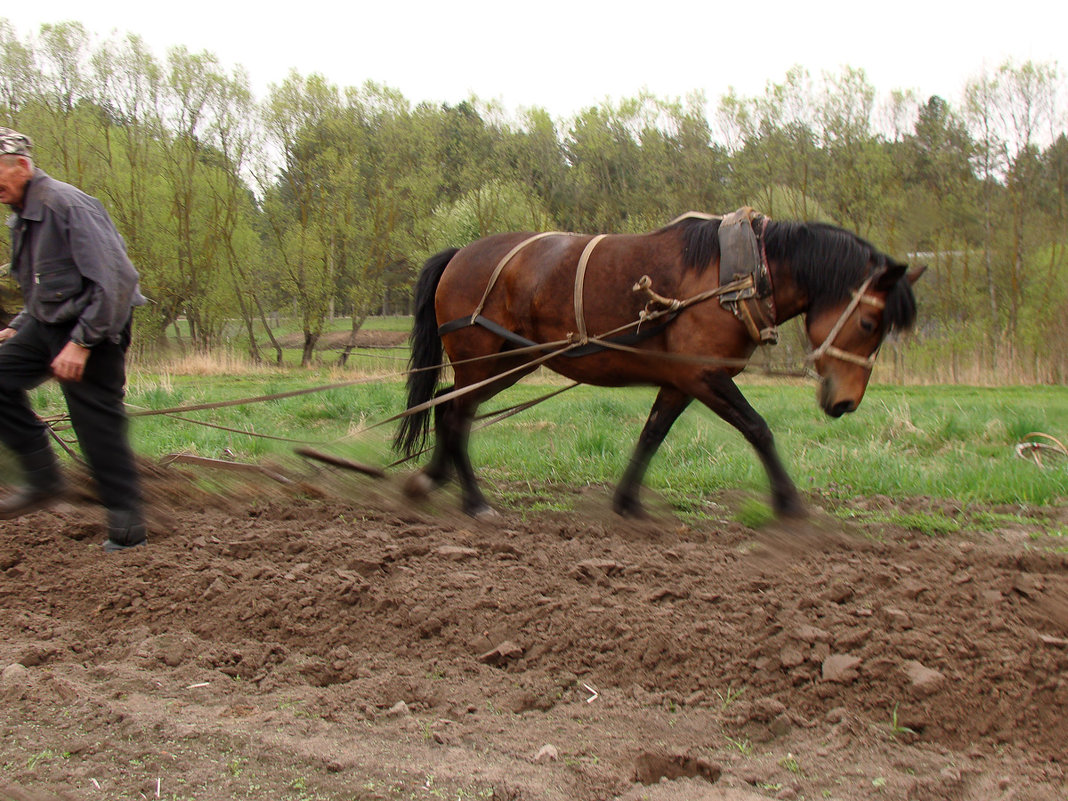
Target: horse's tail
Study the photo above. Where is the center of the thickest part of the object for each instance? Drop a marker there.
(425, 363)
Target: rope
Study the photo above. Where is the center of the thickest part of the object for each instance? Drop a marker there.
(311, 390)
(1035, 443)
(456, 393)
(559, 348)
(562, 345)
(246, 432)
(492, 418)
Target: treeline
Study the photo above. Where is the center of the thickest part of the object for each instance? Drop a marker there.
(320, 201)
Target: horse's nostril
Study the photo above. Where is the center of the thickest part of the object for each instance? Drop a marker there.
(842, 407)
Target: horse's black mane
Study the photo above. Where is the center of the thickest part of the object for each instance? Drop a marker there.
(828, 262)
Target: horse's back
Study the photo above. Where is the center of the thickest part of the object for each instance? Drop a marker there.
(535, 288)
(499, 275)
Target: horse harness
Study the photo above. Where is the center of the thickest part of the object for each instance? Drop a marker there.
(743, 271)
(828, 348)
(744, 289)
(747, 290)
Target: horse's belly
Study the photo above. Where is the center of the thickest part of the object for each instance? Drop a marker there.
(609, 369)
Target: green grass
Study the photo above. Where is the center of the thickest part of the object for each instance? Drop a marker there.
(754, 513)
(944, 442)
(933, 525)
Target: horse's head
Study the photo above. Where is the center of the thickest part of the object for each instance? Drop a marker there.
(846, 336)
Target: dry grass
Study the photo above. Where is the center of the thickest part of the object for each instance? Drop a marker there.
(214, 363)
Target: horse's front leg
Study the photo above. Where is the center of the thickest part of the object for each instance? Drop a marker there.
(725, 399)
(667, 407)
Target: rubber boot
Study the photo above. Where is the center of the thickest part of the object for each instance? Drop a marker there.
(44, 485)
(126, 529)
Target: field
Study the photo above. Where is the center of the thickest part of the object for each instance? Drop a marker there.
(323, 638)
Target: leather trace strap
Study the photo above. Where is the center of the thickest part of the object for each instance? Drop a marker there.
(747, 293)
(578, 343)
(581, 335)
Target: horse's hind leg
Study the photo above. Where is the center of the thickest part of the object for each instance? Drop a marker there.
(455, 431)
(438, 470)
(667, 407)
(452, 431)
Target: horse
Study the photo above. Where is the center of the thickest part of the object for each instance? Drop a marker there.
(665, 331)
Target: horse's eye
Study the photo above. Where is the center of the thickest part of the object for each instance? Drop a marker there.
(867, 324)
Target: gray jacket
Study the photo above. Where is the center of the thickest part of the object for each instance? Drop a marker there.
(71, 263)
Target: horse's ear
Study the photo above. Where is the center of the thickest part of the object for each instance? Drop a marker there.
(914, 275)
(889, 276)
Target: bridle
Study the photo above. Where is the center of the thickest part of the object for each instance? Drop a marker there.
(827, 348)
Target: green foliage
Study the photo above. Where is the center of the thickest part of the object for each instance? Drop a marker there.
(754, 514)
(493, 207)
(790, 763)
(320, 201)
(895, 727)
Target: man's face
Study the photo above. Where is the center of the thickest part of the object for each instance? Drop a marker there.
(15, 173)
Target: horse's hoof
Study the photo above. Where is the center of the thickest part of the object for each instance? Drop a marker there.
(484, 513)
(418, 485)
(630, 507)
(792, 511)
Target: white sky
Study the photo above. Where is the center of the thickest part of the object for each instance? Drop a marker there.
(565, 56)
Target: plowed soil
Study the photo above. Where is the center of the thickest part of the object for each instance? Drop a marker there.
(328, 640)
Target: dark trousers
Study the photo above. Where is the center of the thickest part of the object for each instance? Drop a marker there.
(95, 404)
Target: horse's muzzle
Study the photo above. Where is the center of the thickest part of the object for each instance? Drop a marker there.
(832, 405)
(840, 408)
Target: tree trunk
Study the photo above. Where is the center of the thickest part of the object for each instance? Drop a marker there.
(308, 353)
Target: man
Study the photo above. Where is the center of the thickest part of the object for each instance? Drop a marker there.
(79, 289)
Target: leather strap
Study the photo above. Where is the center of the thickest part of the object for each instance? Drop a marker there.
(580, 280)
(500, 266)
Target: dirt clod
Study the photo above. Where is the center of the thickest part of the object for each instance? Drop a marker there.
(269, 644)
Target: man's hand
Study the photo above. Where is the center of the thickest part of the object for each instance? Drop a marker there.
(6, 334)
(69, 365)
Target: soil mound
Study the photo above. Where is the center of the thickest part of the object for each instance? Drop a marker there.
(324, 639)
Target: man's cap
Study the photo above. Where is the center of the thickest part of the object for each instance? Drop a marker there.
(12, 143)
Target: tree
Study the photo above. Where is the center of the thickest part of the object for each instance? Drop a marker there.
(603, 156)
(941, 221)
(295, 113)
(855, 173)
(774, 147)
(1010, 113)
(18, 73)
(536, 159)
(319, 201)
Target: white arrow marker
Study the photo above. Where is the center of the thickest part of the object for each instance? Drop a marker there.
(593, 697)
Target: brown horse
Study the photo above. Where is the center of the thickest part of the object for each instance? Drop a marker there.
(505, 304)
